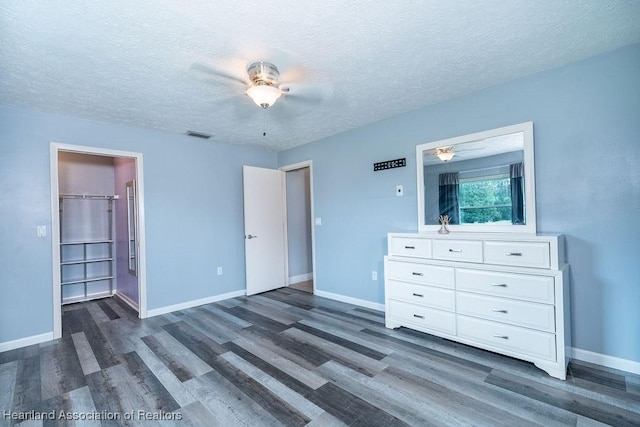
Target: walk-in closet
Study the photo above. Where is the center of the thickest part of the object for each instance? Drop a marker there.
(97, 228)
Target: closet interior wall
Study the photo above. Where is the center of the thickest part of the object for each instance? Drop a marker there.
(87, 226)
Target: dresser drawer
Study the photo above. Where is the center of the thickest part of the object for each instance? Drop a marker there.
(519, 313)
(424, 317)
(435, 275)
(407, 246)
(428, 296)
(511, 285)
(512, 338)
(458, 250)
(522, 254)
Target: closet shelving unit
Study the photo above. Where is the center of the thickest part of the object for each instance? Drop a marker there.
(87, 247)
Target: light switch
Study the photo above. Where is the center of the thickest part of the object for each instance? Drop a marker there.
(318, 221)
(399, 190)
(41, 230)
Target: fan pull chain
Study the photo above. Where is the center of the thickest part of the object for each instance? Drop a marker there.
(264, 122)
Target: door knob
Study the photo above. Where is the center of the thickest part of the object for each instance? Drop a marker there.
(249, 236)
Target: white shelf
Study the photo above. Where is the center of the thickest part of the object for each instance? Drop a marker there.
(87, 280)
(90, 297)
(85, 242)
(86, 261)
(87, 257)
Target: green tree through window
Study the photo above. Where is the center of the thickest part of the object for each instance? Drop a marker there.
(485, 200)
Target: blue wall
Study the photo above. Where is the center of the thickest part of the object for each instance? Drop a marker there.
(193, 201)
(587, 153)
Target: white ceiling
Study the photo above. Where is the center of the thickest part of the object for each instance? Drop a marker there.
(129, 62)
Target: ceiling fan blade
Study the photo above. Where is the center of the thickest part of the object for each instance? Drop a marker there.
(207, 69)
(310, 93)
(463, 149)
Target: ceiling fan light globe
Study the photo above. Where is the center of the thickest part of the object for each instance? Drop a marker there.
(264, 95)
(446, 156)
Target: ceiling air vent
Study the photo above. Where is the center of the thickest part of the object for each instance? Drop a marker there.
(198, 134)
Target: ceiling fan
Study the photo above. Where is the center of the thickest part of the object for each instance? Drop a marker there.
(264, 88)
(262, 84)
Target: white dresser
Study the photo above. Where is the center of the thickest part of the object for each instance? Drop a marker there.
(507, 293)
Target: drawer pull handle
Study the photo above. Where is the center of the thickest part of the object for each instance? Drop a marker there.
(418, 295)
(499, 285)
(417, 274)
(514, 253)
(409, 247)
(418, 316)
(504, 337)
(498, 310)
(455, 250)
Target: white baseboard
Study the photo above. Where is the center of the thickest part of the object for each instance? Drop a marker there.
(131, 303)
(24, 342)
(604, 360)
(194, 303)
(351, 300)
(300, 278)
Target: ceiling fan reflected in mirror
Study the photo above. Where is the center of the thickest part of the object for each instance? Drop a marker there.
(444, 153)
(262, 84)
(460, 151)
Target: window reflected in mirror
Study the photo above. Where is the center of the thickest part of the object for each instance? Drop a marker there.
(492, 199)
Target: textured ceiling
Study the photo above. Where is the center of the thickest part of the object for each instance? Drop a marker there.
(130, 62)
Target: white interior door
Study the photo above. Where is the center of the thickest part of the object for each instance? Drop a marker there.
(264, 229)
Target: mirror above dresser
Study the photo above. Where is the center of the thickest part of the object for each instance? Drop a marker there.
(482, 182)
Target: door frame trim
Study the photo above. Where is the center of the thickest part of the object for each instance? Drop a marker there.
(55, 148)
(289, 168)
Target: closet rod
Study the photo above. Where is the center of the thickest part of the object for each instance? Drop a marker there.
(89, 196)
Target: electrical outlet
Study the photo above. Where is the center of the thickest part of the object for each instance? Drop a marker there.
(41, 230)
(219, 271)
(399, 190)
(374, 275)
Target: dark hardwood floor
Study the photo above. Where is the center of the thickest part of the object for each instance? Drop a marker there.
(306, 286)
(288, 358)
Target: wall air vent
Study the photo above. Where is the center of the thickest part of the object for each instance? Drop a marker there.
(198, 134)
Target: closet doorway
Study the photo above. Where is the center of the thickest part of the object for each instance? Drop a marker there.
(98, 239)
(299, 214)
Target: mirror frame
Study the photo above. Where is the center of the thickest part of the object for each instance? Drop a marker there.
(529, 181)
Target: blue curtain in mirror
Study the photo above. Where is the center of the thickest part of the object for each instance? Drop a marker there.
(448, 196)
(516, 171)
